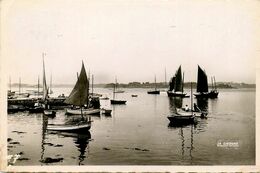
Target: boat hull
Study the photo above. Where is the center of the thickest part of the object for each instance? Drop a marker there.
(182, 120)
(212, 95)
(69, 128)
(119, 102)
(49, 113)
(84, 111)
(106, 111)
(153, 92)
(175, 94)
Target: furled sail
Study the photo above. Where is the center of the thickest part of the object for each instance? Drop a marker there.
(178, 81)
(45, 88)
(79, 94)
(202, 81)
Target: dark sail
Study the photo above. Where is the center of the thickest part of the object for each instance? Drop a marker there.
(202, 81)
(172, 82)
(178, 81)
(79, 94)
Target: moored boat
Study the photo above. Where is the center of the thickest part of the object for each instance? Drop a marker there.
(114, 100)
(202, 86)
(89, 111)
(155, 91)
(70, 128)
(49, 113)
(176, 85)
(183, 117)
(106, 111)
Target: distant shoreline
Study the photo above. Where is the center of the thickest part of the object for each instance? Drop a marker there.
(219, 85)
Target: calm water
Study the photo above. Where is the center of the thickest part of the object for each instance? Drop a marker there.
(138, 133)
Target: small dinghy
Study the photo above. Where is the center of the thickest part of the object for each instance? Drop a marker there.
(49, 113)
(106, 111)
(134, 95)
(84, 125)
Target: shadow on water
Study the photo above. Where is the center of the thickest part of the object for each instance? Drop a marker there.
(202, 103)
(81, 140)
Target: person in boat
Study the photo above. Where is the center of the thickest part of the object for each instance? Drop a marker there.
(186, 108)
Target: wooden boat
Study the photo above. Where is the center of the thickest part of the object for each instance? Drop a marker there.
(49, 113)
(155, 91)
(38, 109)
(202, 86)
(106, 111)
(70, 128)
(79, 96)
(176, 84)
(114, 101)
(89, 111)
(134, 95)
(118, 102)
(183, 117)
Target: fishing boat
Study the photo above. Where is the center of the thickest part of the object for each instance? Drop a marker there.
(183, 117)
(78, 97)
(176, 84)
(214, 92)
(114, 101)
(155, 91)
(202, 86)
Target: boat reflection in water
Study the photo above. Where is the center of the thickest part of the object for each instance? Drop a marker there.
(81, 141)
(187, 141)
(202, 103)
(80, 138)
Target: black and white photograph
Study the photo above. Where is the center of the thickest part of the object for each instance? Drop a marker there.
(95, 83)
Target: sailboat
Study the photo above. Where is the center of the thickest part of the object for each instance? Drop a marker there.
(202, 86)
(183, 117)
(155, 91)
(176, 84)
(50, 89)
(114, 101)
(214, 92)
(79, 96)
(118, 90)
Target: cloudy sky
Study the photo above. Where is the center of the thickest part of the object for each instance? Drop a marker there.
(133, 40)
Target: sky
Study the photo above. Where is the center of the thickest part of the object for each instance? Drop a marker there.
(133, 40)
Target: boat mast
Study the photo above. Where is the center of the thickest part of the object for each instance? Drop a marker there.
(165, 76)
(182, 82)
(38, 87)
(155, 82)
(215, 83)
(92, 84)
(212, 86)
(191, 98)
(19, 85)
(50, 83)
(114, 89)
